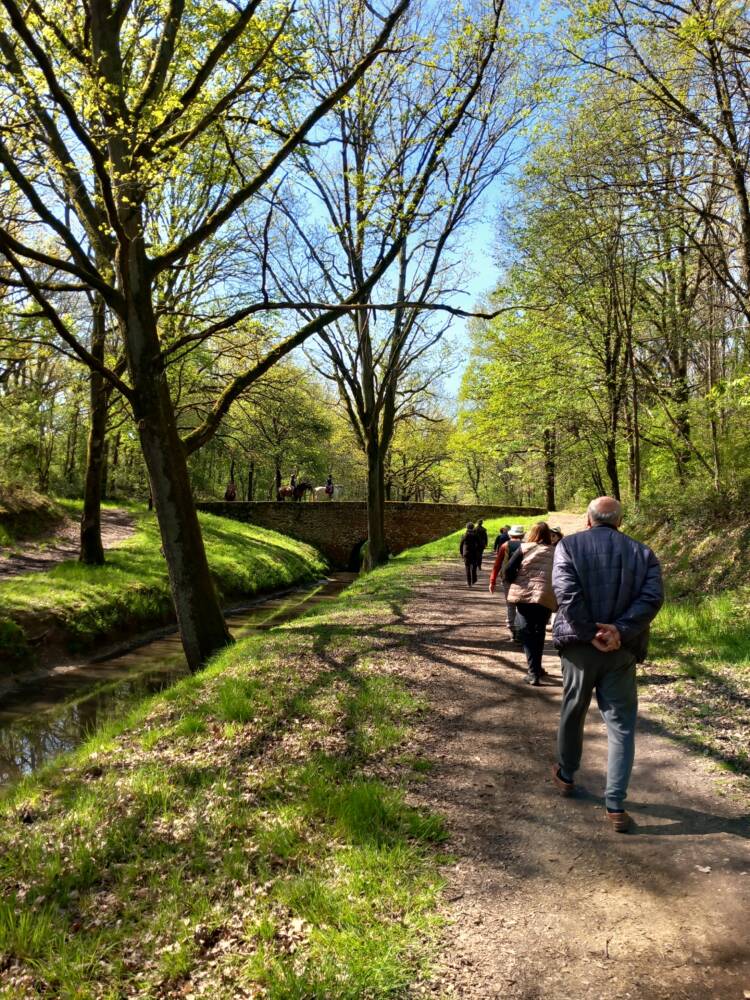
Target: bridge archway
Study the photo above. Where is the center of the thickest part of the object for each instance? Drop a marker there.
(357, 554)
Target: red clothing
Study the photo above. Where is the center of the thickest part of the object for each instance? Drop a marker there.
(499, 557)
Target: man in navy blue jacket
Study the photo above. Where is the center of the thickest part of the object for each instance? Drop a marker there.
(609, 589)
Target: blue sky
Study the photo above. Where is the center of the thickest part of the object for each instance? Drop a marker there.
(481, 244)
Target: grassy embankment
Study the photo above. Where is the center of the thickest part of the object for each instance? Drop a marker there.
(244, 834)
(698, 675)
(76, 606)
(26, 514)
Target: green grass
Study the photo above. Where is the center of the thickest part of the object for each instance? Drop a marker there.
(246, 829)
(708, 630)
(131, 590)
(698, 674)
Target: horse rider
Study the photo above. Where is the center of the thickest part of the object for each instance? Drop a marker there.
(293, 479)
(329, 485)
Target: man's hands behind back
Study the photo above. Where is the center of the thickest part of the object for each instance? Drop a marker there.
(607, 639)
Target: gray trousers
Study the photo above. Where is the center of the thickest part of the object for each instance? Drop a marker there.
(511, 607)
(612, 676)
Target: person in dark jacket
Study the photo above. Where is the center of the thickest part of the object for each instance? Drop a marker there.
(469, 549)
(609, 589)
(502, 538)
(481, 533)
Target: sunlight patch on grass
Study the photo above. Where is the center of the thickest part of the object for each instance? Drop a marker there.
(716, 627)
(249, 826)
(132, 588)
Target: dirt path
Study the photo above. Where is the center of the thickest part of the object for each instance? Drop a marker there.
(61, 544)
(544, 901)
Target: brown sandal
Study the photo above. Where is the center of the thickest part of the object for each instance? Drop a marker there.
(619, 821)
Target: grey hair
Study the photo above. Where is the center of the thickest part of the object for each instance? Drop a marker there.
(611, 517)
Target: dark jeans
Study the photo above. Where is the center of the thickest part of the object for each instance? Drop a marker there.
(531, 626)
(510, 607)
(612, 676)
(471, 571)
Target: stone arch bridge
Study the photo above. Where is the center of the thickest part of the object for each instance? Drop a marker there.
(338, 529)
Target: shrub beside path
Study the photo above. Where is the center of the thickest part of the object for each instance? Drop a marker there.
(544, 901)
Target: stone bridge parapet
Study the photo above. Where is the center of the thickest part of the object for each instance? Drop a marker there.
(339, 528)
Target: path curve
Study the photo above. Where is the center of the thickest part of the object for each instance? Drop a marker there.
(62, 544)
(544, 902)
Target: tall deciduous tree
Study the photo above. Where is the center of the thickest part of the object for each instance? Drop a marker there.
(101, 101)
(411, 151)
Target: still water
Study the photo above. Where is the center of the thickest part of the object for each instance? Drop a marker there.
(57, 712)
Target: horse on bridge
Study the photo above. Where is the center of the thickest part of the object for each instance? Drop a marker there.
(295, 492)
(321, 493)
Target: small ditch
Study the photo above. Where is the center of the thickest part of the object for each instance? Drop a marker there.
(57, 711)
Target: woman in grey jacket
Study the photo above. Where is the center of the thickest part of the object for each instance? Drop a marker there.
(531, 592)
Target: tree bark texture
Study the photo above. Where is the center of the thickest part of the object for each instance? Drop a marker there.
(92, 549)
(201, 622)
(550, 467)
(377, 548)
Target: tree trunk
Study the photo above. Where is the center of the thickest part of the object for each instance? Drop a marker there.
(250, 480)
(549, 467)
(112, 488)
(202, 627)
(612, 472)
(377, 548)
(92, 549)
(632, 416)
(683, 452)
(70, 455)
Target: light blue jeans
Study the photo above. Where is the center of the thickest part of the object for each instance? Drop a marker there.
(612, 676)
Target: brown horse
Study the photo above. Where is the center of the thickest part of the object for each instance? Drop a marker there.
(294, 492)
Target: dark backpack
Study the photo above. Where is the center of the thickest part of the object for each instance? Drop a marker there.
(501, 539)
(511, 550)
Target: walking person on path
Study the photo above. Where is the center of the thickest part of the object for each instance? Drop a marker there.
(609, 589)
(481, 532)
(530, 574)
(502, 538)
(502, 558)
(469, 550)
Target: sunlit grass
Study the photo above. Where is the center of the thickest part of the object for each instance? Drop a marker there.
(716, 627)
(253, 816)
(447, 547)
(132, 587)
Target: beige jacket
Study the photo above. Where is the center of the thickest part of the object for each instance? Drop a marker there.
(533, 585)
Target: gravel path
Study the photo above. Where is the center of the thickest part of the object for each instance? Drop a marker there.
(544, 902)
(61, 545)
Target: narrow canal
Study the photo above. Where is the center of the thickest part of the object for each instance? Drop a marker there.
(58, 711)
